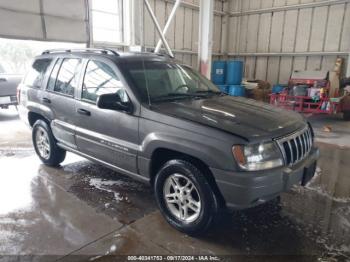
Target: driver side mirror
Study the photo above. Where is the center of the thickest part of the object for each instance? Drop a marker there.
(113, 102)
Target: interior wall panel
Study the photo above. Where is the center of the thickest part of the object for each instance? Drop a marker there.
(318, 30)
(315, 29)
(170, 36)
(65, 8)
(334, 27)
(314, 63)
(217, 34)
(243, 34)
(22, 5)
(345, 36)
(18, 28)
(195, 30)
(149, 29)
(56, 27)
(29, 19)
(188, 29)
(179, 28)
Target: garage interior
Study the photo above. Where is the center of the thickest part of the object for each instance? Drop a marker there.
(83, 211)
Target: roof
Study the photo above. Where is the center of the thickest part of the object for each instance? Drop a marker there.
(111, 53)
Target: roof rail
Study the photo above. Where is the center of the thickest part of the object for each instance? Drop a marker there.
(164, 54)
(96, 50)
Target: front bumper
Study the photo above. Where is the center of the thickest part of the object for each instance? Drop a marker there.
(247, 189)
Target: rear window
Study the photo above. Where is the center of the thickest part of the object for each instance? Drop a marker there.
(36, 74)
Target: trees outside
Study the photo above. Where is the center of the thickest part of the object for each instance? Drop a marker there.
(15, 57)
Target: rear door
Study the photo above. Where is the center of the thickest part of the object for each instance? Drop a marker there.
(108, 135)
(61, 90)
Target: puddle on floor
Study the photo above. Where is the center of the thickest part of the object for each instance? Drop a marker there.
(314, 220)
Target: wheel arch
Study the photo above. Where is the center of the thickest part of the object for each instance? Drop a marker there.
(162, 155)
(34, 116)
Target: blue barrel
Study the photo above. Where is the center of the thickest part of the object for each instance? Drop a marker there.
(223, 88)
(236, 90)
(234, 72)
(218, 72)
(276, 89)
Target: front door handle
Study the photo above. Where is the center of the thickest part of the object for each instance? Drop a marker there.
(46, 100)
(84, 112)
(3, 80)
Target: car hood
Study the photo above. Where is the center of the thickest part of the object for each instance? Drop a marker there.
(246, 118)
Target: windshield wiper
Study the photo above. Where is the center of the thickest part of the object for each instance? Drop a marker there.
(174, 96)
(211, 92)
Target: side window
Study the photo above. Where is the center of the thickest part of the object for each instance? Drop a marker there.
(36, 74)
(101, 79)
(53, 76)
(68, 76)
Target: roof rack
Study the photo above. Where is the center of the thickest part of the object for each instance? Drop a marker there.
(163, 54)
(95, 50)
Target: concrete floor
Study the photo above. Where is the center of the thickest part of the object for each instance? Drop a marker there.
(83, 211)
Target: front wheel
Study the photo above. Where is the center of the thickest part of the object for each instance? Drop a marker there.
(185, 197)
(45, 144)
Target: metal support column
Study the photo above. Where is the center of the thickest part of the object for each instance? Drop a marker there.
(154, 18)
(206, 20)
(136, 24)
(167, 25)
(127, 21)
(89, 42)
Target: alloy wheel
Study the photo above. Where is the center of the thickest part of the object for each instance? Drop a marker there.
(42, 142)
(182, 198)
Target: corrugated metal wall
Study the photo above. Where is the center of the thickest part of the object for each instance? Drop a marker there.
(48, 20)
(183, 32)
(287, 30)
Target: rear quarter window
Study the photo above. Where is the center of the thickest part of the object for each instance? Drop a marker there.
(36, 74)
(68, 76)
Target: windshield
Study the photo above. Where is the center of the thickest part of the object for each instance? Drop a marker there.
(163, 81)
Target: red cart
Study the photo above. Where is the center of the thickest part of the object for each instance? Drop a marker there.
(307, 104)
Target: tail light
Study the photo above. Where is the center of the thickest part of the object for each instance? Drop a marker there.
(18, 94)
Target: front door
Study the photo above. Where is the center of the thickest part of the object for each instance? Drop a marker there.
(108, 135)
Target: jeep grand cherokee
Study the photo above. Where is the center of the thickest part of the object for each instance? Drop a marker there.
(159, 121)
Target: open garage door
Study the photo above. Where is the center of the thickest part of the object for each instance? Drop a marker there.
(49, 20)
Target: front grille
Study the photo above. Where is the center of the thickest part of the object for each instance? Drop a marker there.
(297, 146)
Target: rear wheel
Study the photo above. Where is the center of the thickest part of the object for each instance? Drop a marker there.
(185, 197)
(45, 144)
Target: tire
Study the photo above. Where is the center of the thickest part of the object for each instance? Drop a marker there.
(46, 149)
(346, 115)
(175, 174)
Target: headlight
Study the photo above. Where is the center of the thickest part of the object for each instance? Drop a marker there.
(258, 156)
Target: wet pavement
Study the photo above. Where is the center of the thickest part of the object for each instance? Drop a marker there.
(85, 212)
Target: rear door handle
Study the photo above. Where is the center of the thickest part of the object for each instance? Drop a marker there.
(84, 112)
(3, 80)
(46, 100)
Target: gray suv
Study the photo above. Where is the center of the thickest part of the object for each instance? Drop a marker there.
(159, 121)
